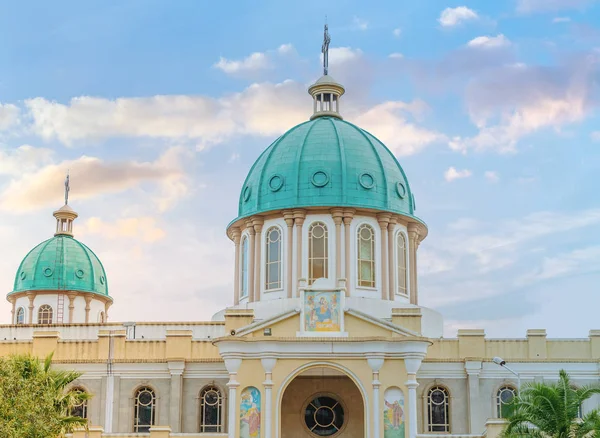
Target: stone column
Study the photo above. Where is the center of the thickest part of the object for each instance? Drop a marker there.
(392, 266)
(299, 216)
(348, 215)
(413, 244)
(235, 236)
(176, 397)
(88, 300)
(232, 365)
(384, 220)
(289, 221)
(257, 222)
(412, 365)
(31, 296)
(376, 363)
(268, 364)
(473, 369)
(250, 261)
(13, 301)
(106, 307)
(71, 297)
(338, 215)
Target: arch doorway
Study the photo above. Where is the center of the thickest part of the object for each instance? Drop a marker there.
(322, 402)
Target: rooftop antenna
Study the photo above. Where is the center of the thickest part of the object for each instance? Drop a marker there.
(325, 49)
(67, 189)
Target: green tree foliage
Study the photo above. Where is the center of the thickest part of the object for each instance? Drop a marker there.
(34, 400)
(552, 410)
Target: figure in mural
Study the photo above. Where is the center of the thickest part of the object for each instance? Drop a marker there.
(250, 413)
(321, 312)
(393, 414)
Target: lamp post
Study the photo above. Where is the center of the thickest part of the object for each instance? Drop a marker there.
(499, 361)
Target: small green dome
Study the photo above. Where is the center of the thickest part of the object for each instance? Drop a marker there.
(326, 162)
(61, 263)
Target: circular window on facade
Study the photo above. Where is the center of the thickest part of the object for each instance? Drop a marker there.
(324, 416)
(23, 275)
(79, 273)
(276, 182)
(102, 280)
(366, 180)
(401, 190)
(48, 272)
(247, 192)
(320, 178)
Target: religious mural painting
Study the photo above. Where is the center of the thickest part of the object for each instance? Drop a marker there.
(322, 311)
(250, 413)
(393, 413)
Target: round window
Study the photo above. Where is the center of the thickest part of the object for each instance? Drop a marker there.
(366, 180)
(247, 192)
(320, 178)
(276, 182)
(48, 272)
(324, 416)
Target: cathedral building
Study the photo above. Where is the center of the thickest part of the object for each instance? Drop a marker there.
(325, 336)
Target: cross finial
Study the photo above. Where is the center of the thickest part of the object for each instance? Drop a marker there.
(67, 189)
(325, 50)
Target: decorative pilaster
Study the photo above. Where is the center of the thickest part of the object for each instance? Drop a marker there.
(71, 297)
(251, 236)
(31, 296)
(376, 363)
(289, 221)
(176, 397)
(348, 215)
(473, 369)
(412, 366)
(338, 214)
(268, 364)
(106, 307)
(257, 222)
(384, 220)
(13, 301)
(232, 365)
(413, 244)
(391, 265)
(299, 216)
(235, 234)
(88, 300)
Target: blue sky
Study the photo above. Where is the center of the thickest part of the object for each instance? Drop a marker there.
(160, 108)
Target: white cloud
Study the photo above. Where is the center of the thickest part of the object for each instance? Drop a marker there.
(253, 62)
(9, 116)
(396, 55)
(453, 174)
(492, 176)
(23, 159)
(595, 136)
(397, 32)
(339, 56)
(561, 19)
(489, 42)
(387, 121)
(575, 262)
(92, 176)
(454, 16)
(143, 229)
(360, 24)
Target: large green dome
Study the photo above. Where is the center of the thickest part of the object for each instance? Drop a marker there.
(326, 162)
(61, 263)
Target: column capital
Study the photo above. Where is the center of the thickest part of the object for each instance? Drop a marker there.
(31, 296)
(257, 223)
(393, 219)
(232, 364)
(176, 368)
(299, 216)
(349, 213)
(375, 362)
(288, 216)
(235, 234)
(412, 364)
(337, 214)
(249, 226)
(384, 219)
(268, 364)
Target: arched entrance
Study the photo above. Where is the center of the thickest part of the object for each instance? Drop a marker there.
(322, 402)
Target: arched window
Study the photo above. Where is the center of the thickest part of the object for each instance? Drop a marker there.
(45, 314)
(438, 409)
(80, 409)
(318, 255)
(211, 410)
(244, 268)
(366, 256)
(145, 409)
(273, 266)
(20, 315)
(401, 259)
(504, 396)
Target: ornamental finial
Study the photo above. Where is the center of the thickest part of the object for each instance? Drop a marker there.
(325, 50)
(67, 189)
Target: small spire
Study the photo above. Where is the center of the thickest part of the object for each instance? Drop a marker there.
(325, 49)
(326, 92)
(65, 215)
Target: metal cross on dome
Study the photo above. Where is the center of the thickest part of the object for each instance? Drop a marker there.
(325, 50)
(67, 189)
